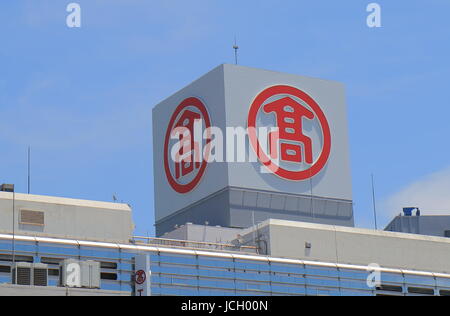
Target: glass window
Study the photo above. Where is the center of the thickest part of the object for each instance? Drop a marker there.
(321, 271)
(420, 280)
(252, 265)
(287, 279)
(421, 290)
(443, 282)
(57, 249)
(392, 278)
(353, 274)
(97, 252)
(179, 259)
(216, 273)
(215, 262)
(352, 284)
(323, 282)
(217, 283)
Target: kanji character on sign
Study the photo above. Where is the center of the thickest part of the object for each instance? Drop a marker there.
(290, 114)
(188, 157)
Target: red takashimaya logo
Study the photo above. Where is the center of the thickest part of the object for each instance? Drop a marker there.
(186, 128)
(300, 145)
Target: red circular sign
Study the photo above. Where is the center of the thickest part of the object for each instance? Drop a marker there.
(196, 109)
(141, 277)
(319, 163)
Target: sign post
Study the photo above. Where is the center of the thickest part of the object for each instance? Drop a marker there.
(142, 276)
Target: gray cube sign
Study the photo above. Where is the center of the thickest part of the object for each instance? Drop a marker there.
(240, 145)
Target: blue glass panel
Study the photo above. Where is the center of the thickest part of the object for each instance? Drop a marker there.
(250, 275)
(216, 273)
(222, 284)
(110, 285)
(321, 271)
(292, 290)
(179, 259)
(286, 279)
(5, 246)
(356, 293)
(45, 248)
(253, 286)
(443, 282)
(252, 293)
(212, 292)
(392, 278)
(252, 265)
(183, 281)
(97, 252)
(354, 285)
(311, 291)
(420, 280)
(215, 262)
(178, 291)
(322, 282)
(177, 270)
(353, 274)
(288, 268)
(25, 247)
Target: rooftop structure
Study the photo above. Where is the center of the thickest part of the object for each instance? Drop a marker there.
(204, 233)
(431, 225)
(65, 218)
(187, 272)
(301, 172)
(346, 245)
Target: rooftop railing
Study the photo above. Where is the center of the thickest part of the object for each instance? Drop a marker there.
(151, 241)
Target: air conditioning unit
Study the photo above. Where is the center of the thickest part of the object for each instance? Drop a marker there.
(30, 274)
(80, 274)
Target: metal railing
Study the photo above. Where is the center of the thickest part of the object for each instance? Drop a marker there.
(151, 241)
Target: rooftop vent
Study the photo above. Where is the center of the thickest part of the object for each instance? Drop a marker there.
(30, 274)
(33, 218)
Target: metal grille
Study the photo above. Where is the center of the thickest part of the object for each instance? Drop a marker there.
(40, 277)
(23, 276)
(31, 218)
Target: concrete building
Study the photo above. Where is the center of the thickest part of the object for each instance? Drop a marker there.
(65, 218)
(308, 177)
(21, 290)
(281, 224)
(204, 233)
(289, 258)
(431, 225)
(347, 245)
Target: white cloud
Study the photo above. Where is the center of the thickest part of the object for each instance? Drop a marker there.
(431, 194)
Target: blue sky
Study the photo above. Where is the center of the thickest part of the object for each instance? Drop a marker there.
(82, 98)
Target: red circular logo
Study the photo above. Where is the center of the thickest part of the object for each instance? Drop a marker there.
(141, 277)
(291, 153)
(186, 131)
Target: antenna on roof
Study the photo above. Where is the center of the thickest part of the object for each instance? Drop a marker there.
(29, 169)
(374, 203)
(236, 48)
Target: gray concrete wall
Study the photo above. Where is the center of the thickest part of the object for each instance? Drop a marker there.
(422, 225)
(68, 218)
(202, 233)
(354, 246)
(241, 208)
(20, 290)
(214, 210)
